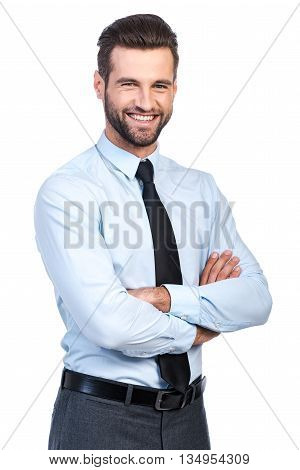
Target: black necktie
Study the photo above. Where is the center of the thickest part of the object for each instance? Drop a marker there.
(174, 368)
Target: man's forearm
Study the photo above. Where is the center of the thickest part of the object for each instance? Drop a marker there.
(228, 305)
(159, 297)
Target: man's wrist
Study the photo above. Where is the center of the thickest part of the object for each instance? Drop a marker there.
(159, 297)
(162, 299)
(198, 336)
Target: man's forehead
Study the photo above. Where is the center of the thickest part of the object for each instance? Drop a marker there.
(124, 59)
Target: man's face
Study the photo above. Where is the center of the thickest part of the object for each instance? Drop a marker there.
(140, 84)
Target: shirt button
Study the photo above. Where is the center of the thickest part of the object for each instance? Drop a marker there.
(171, 349)
(183, 317)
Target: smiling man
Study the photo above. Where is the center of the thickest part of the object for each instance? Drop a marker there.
(138, 102)
(140, 253)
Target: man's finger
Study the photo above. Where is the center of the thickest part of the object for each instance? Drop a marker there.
(205, 273)
(228, 268)
(235, 273)
(218, 266)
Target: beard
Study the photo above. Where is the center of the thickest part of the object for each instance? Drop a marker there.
(138, 137)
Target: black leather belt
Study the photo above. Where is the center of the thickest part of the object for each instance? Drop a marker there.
(160, 399)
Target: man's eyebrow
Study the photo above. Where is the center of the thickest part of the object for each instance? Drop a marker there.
(133, 80)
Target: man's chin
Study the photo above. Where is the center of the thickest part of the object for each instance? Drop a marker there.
(142, 140)
(143, 143)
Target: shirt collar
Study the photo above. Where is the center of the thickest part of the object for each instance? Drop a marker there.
(125, 161)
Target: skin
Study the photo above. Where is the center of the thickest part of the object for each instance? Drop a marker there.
(149, 88)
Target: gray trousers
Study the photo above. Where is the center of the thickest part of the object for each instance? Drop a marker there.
(85, 422)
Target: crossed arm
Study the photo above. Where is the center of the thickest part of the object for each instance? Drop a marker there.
(240, 299)
(105, 312)
(216, 269)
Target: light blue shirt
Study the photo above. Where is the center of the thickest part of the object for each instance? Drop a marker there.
(94, 237)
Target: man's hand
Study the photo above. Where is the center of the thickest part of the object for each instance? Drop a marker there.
(216, 269)
(203, 335)
(220, 268)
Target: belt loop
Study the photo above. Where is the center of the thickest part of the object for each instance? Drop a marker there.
(203, 384)
(62, 378)
(193, 393)
(128, 394)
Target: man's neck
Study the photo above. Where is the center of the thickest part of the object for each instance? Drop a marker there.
(116, 139)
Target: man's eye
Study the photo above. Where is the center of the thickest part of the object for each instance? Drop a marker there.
(159, 85)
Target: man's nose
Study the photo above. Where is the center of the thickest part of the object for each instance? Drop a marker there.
(144, 99)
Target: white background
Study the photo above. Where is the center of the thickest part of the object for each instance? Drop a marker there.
(253, 153)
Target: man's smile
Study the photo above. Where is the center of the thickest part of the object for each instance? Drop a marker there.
(143, 119)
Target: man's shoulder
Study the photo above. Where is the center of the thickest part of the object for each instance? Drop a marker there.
(78, 169)
(74, 176)
(77, 166)
(184, 174)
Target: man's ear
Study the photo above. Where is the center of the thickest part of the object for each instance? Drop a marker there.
(98, 85)
(175, 87)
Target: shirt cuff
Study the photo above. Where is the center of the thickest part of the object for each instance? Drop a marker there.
(184, 339)
(185, 302)
(181, 334)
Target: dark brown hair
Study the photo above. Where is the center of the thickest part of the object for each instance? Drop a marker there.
(141, 31)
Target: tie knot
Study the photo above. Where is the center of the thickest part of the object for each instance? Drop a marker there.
(145, 171)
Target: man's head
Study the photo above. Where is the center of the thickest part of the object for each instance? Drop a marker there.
(136, 77)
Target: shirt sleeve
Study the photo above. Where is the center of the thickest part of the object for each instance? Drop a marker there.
(77, 261)
(229, 304)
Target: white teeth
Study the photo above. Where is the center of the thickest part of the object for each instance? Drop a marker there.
(142, 118)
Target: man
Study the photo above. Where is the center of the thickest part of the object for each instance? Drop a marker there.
(125, 233)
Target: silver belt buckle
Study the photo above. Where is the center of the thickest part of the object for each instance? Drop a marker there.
(159, 399)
